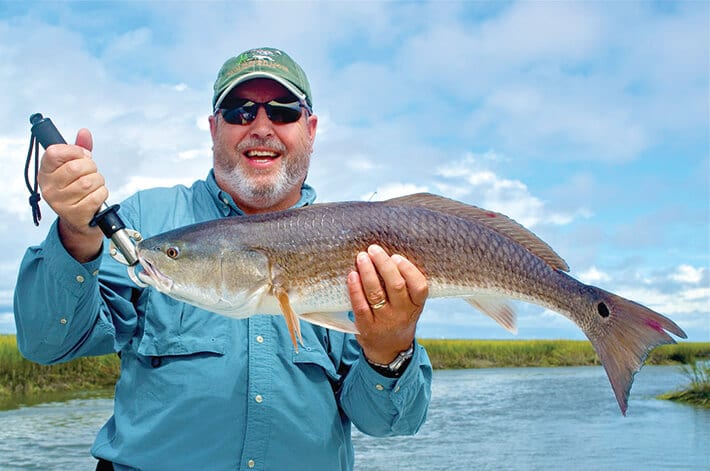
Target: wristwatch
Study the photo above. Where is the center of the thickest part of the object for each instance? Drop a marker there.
(396, 367)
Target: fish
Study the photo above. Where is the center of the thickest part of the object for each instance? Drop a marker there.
(295, 263)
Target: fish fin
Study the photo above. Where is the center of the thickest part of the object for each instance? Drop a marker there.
(332, 320)
(624, 336)
(498, 222)
(294, 328)
(497, 308)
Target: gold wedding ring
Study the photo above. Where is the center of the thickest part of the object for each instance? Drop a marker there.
(378, 305)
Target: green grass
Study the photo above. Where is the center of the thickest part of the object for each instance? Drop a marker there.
(697, 392)
(19, 376)
(449, 354)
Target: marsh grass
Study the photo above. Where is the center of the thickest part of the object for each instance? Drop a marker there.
(19, 376)
(506, 353)
(697, 392)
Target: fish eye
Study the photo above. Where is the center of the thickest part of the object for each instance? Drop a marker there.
(172, 252)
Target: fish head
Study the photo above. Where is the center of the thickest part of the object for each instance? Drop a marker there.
(205, 269)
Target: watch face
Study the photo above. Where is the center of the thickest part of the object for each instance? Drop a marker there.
(401, 359)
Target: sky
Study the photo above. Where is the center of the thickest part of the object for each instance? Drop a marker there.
(586, 121)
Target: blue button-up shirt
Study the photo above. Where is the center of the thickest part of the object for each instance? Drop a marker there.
(198, 390)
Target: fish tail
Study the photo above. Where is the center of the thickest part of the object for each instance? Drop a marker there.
(623, 334)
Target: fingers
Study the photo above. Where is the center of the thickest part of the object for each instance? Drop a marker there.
(403, 282)
(382, 281)
(377, 267)
(59, 154)
(361, 306)
(70, 181)
(417, 286)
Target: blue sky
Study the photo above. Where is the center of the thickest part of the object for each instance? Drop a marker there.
(586, 121)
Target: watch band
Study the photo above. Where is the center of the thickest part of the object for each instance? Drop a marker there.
(396, 367)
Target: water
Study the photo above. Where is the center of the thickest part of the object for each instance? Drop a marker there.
(510, 418)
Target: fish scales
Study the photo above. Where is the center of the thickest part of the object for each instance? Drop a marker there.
(296, 262)
(444, 247)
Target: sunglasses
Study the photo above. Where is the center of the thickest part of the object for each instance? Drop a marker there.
(276, 111)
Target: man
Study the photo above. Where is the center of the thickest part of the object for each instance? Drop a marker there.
(202, 391)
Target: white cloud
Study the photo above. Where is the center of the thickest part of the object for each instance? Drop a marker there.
(13, 192)
(361, 163)
(7, 323)
(593, 276)
(508, 196)
(191, 154)
(685, 302)
(5, 294)
(136, 183)
(688, 274)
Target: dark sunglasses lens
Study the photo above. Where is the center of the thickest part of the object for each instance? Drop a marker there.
(283, 113)
(240, 115)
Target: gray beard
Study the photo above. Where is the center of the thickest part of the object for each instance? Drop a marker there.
(258, 195)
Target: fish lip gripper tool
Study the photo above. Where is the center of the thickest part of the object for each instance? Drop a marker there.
(123, 248)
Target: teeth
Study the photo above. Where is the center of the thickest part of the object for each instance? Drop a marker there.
(261, 153)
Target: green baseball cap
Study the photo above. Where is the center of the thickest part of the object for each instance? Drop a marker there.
(263, 62)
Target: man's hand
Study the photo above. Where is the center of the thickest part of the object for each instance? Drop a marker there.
(73, 188)
(386, 315)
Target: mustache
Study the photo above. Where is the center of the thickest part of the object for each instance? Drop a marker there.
(272, 143)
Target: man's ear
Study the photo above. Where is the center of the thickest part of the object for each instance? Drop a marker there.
(311, 126)
(213, 125)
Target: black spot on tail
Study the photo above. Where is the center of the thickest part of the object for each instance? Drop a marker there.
(603, 310)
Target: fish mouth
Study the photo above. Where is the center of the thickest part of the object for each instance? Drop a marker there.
(150, 275)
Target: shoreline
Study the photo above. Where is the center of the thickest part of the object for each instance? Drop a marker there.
(22, 377)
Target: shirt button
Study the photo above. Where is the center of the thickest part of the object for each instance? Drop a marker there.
(260, 339)
(62, 321)
(95, 273)
(251, 463)
(259, 399)
(379, 387)
(79, 278)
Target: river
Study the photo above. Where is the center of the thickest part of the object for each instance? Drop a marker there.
(499, 418)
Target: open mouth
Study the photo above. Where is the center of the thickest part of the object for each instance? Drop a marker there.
(261, 155)
(150, 276)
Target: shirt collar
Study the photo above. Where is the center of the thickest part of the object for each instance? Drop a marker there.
(224, 201)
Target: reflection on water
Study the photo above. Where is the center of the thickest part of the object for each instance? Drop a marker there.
(54, 435)
(18, 401)
(512, 418)
(548, 418)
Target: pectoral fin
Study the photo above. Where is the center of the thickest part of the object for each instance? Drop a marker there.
(496, 308)
(294, 328)
(331, 320)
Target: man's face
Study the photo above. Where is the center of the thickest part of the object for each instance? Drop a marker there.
(262, 164)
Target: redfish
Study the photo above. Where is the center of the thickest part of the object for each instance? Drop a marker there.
(296, 262)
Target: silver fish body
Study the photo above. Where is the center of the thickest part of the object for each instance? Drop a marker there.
(296, 262)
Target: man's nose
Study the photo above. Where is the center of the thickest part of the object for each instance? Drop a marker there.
(262, 125)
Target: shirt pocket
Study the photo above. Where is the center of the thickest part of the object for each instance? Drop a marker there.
(181, 352)
(312, 358)
(173, 328)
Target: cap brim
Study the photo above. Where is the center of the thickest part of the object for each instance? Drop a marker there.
(255, 75)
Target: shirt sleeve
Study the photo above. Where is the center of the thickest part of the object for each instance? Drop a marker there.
(63, 310)
(382, 406)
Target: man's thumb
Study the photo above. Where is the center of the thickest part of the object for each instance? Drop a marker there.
(84, 139)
